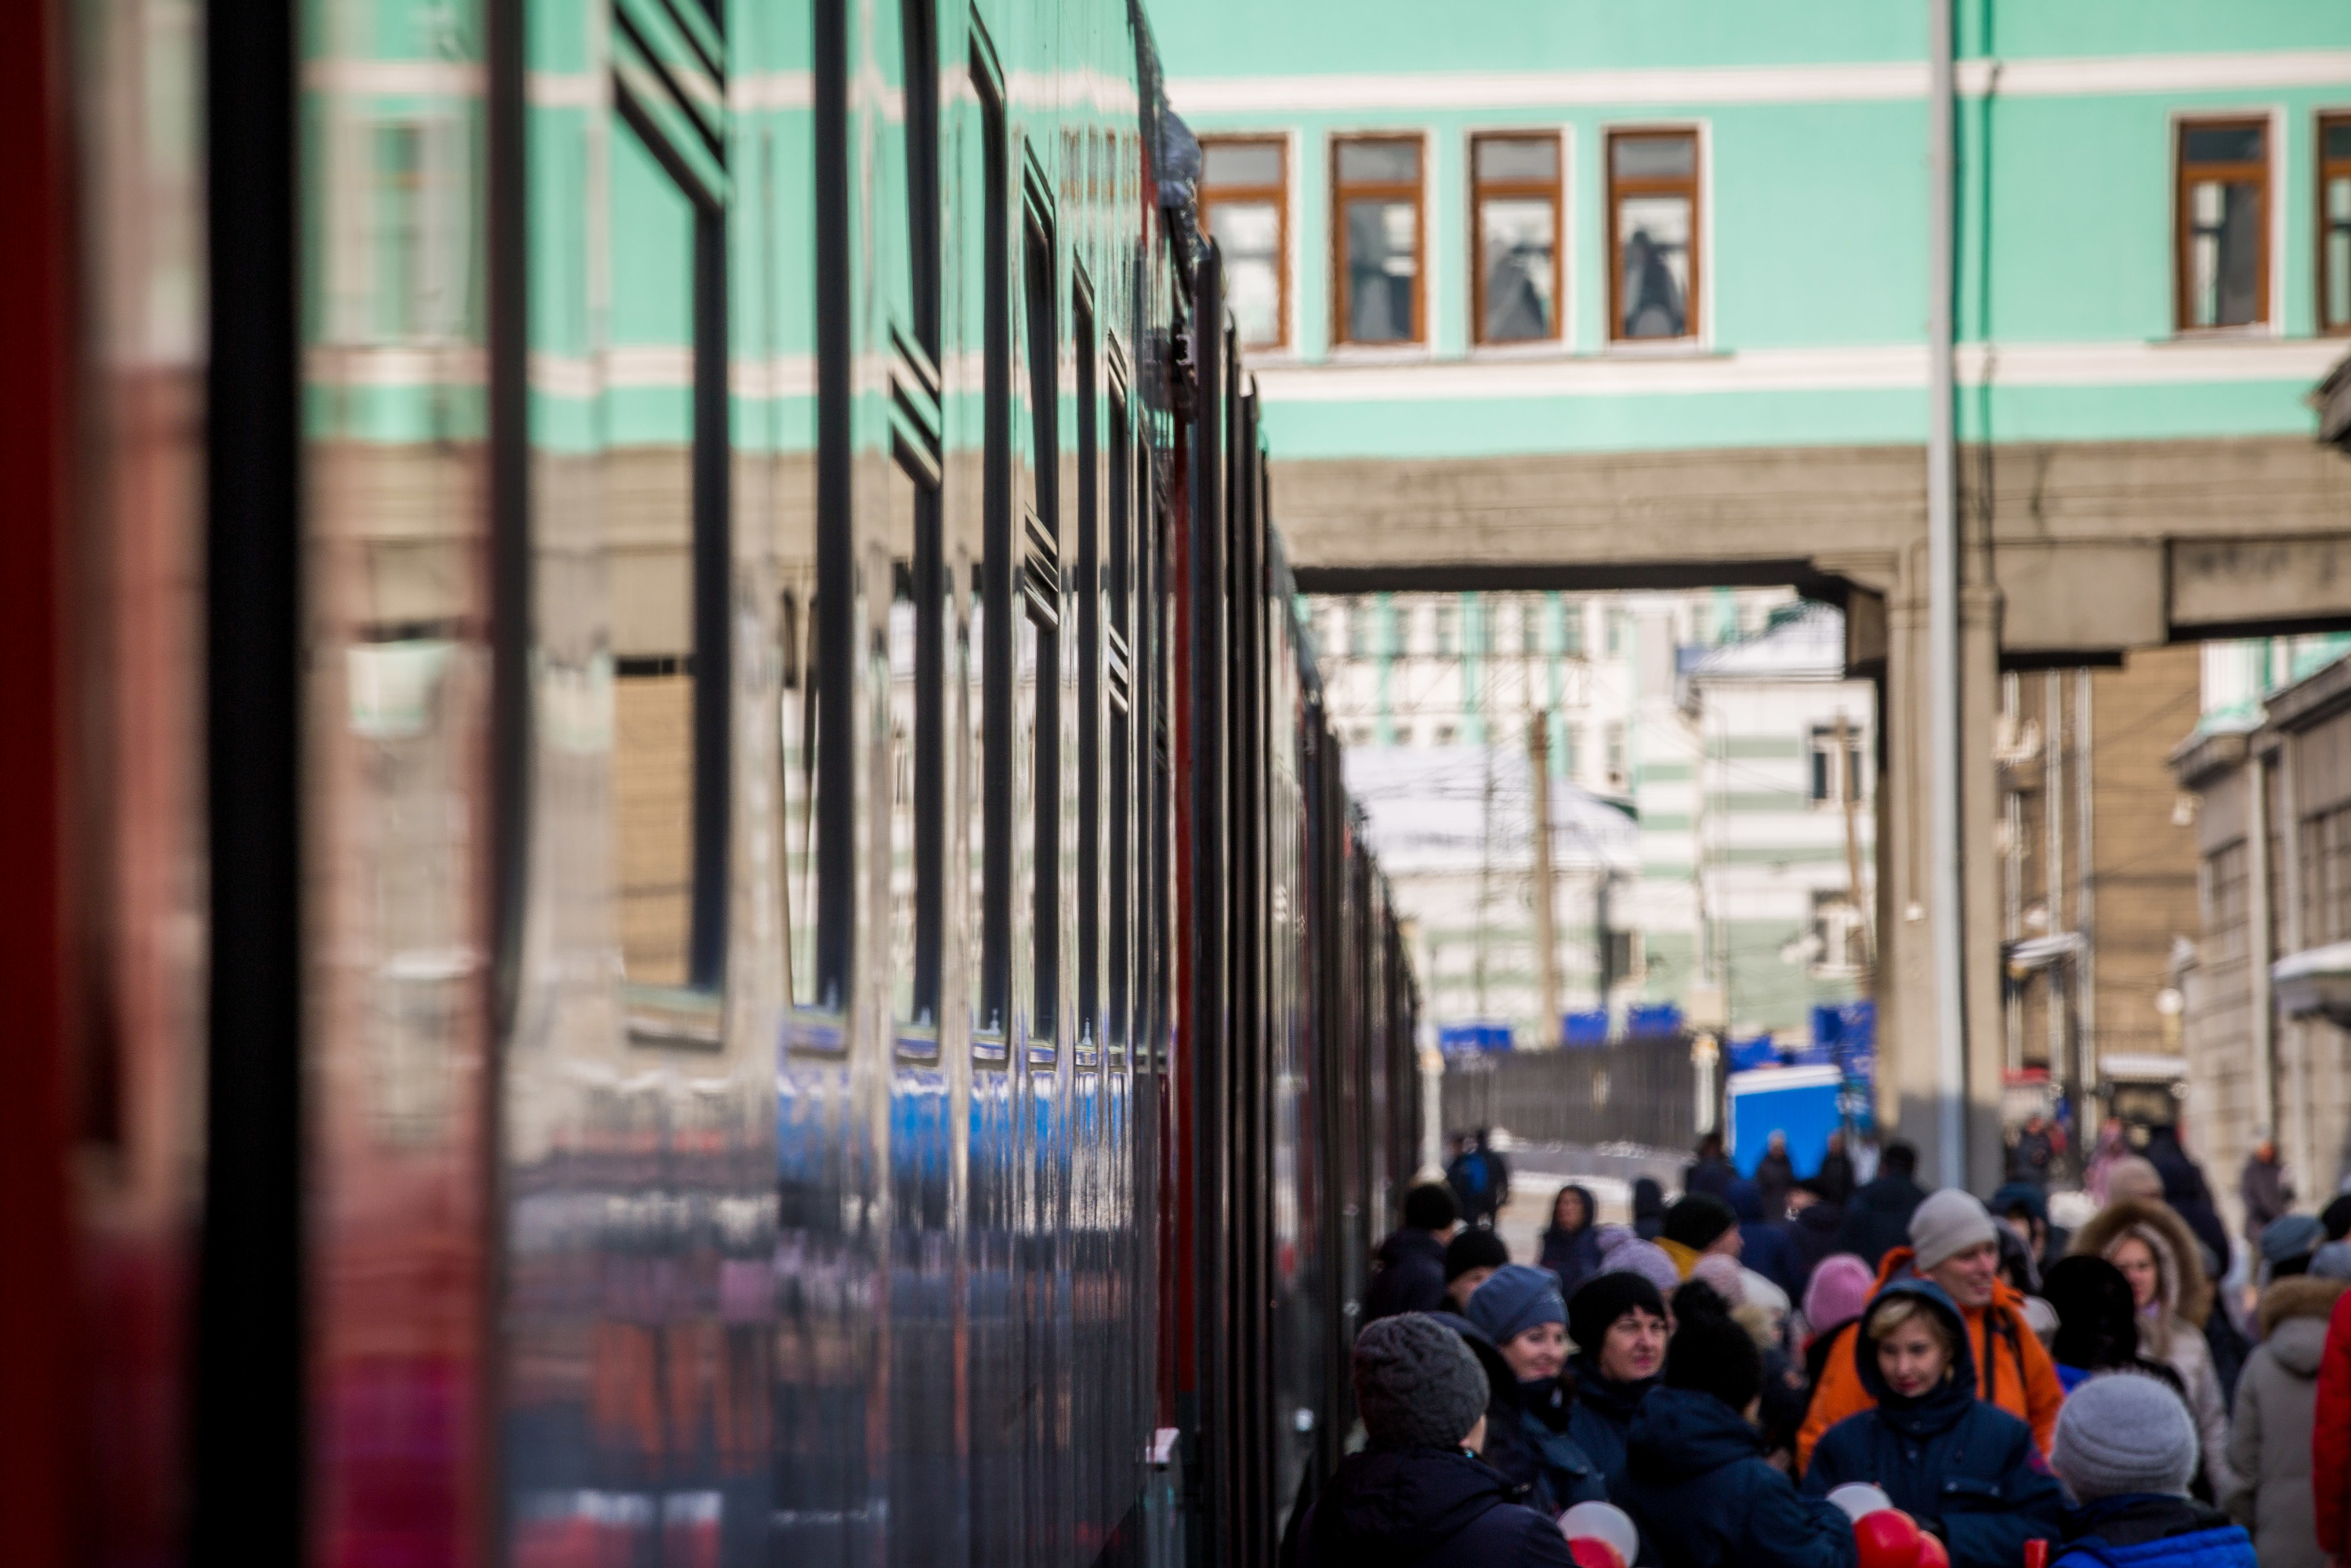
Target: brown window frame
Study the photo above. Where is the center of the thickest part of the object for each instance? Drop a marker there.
(2337, 168)
(1211, 197)
(1480, 192)
(1341, 194)
(2181, 220)
(1691, 185)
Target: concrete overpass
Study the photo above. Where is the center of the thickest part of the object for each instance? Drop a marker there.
(2073, 553)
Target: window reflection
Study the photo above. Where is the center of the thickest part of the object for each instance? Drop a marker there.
(1379, 225)
(1652, 202)
(2224, 178)
(1517, 236)
(1244, 205)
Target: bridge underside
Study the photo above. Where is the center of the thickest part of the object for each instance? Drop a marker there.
(2073, 553)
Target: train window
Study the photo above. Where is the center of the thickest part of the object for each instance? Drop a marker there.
(992, 633)
(1652, 235)
(669, 555)
(1377, 194)
(1516, 181)
(1118, 657)
(1092, 652)
(2334, 223)
(1040, 628)
(1245, 208)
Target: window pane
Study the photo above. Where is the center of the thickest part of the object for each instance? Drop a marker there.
(2338, 139)
(1379, 162)
(1653, 233)
(1382, 270)
(2224, 253)
(2223, 144)
(2339, 252)
(1653, 157)
(1240, 164)
(1518, 158)
(1249, 236)
(1514, 246)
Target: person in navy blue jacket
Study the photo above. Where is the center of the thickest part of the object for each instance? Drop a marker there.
(1695, 1478)
(2125, 1444)
(1966, 1471)
(1618, 1323)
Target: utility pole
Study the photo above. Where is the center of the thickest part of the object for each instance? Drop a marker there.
(1849, 787)
(1546, 955)
(1946, 900)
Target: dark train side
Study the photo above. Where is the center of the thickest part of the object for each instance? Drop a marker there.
(678, 894)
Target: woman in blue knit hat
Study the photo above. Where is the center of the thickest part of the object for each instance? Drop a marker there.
(1518, 1309)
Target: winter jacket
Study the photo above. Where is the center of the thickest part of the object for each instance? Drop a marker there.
(1877, 1219)
(1834, 1178)
(1947, 1458)
(2266, 1194)
(2174, 1335)
(1811, 1235)
(1603, 1416)
(1763, 1245)
(2012, 1370)
(1410, 1278)
(1696, 1483)
(1775, 1172)
(2269, 1440)
(2330, 1435)
(1535, 1456)
(2148, 1529)
(1711, 1175)
(1424, 1508)
(1573, 1255)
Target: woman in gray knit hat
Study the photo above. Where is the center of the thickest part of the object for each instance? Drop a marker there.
(1419, 1496)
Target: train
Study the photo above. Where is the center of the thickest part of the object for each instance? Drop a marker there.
(677, 893)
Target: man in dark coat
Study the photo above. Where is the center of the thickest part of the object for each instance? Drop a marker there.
(1775, 1172)
(1695, 1478)
(1410, 1276)
(2267, 1190)
(1711, 1173)
(1966, 1471)
(2033, 1151)
(1811, 1227)
(1418, 1497)
(1836, 1174)
(2190, 1198)
(1763, 1245)
(1878, 1217)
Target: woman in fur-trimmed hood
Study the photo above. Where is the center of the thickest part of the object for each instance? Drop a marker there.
(2157, 1254)
(2277, 1402)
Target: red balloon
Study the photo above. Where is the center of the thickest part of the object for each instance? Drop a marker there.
(1888, 1539)
(1591, 1552)
(1930, 1551)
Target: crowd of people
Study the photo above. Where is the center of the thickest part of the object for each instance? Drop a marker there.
(1721, 1366)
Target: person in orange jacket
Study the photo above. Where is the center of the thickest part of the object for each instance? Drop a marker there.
(1952, 1242)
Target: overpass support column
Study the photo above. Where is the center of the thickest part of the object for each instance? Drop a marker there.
(1907, 1098)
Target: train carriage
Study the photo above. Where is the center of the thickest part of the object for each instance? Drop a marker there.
(686, 897)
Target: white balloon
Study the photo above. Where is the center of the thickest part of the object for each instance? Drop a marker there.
(1859, 1498)
(1602, 1522)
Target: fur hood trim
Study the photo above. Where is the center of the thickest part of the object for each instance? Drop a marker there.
(2298, 1296)
(2190, 1292)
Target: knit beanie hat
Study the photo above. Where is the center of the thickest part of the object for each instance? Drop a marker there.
(1947, 1224)
(2133, 1176)
(2332, 1262)
(1605, 1297)
(1430, 1207)
(2123, 1433)
(1696, 1220)
(1648, 1260)
(1476, 1248)
(1709, 1353)
(1514, 1298)
(2291, 1236)
(1722, 1272)
(1839, 1288)
(1417, 1386)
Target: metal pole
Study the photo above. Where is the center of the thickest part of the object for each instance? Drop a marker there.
(1943, 618)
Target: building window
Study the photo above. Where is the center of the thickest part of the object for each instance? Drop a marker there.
(1836, 941)
(1614, 759)
(1612, 629)
(1445, 629)
(1530, 628)
(1376, 196)
(1571, 627)
(1832, 785)
(1652, 235)
(2223, 198)
(1516, 185)
(2334, 223)
(1245, 208)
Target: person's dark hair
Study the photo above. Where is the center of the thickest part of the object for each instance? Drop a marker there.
(1600, 1301)
(1476, 1248)
(1696, 1298)
(1430, 1207)
(1583, 1195)
(1648, 1198)
(1697, 1220)
(1710, 1147)
(1709, 1353)
(2097, 1324)
(2336, 1218)
(1899, 1157)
